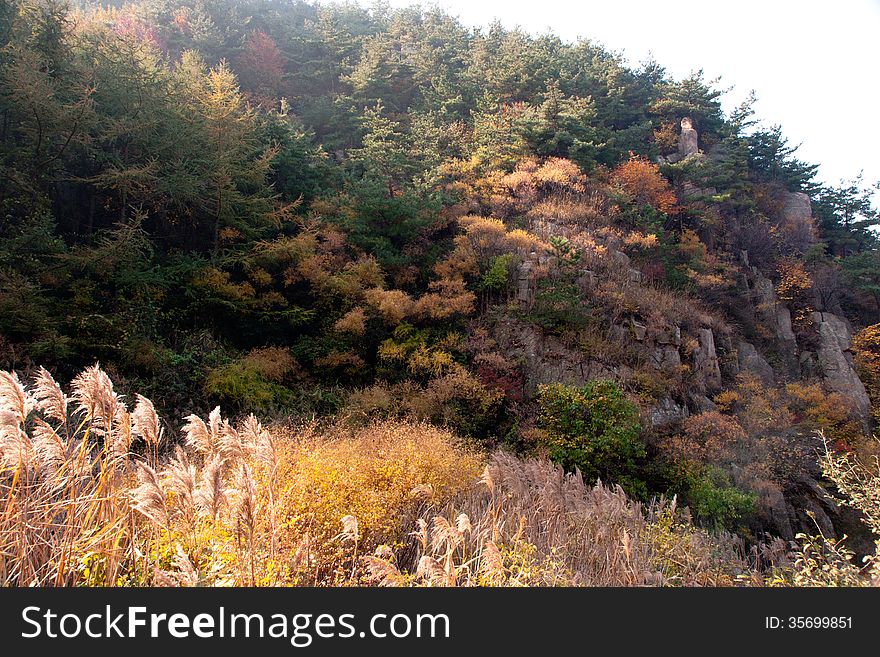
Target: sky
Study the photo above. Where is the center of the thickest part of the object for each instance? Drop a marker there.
(812, 64)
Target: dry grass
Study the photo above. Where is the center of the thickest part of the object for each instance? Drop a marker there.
(529, 523)
(87, 500)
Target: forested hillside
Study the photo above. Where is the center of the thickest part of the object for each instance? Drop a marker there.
(510, 248)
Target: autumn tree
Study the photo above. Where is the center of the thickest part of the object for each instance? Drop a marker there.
(234, 194)
(261, 68)
(642, 182)
(866, 348)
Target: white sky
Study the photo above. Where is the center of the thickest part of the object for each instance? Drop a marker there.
(812, 63)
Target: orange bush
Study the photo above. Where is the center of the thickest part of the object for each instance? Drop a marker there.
(642, 181)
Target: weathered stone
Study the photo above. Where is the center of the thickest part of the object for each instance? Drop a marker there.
(798, 217)
(775, 316)
(749, 360)
(691, 191)
(706, 360)
(586, 280)
(834, 361)
(687, 140)
(618, 258)
(525, 292)
(545, 358)
(666, 412)
(666, 358)
(670, 335)
(809, 365)
(783, 324)
(778, 510)
(701, 403)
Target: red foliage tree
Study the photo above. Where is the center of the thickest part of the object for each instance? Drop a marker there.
(261, 67)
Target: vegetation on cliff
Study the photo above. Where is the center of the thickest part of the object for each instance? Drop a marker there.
(418, 252)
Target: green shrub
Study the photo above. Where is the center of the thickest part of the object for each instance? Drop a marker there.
(497, 276)
(253, 383)
(713, 499)
(596, 430)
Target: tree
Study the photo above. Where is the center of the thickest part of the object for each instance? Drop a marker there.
(862, 272)
(771, 159)
(385, 154)
(595, 429)
(261, 68)
(847, 215)
(642, 181)
(231, 163)
(562, 126)
(695, 98)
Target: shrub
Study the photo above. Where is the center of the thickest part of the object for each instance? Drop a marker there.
(866, 349)
(643, 183)
(595, 429)
(713, 499)
(253, 383)
(822, 561)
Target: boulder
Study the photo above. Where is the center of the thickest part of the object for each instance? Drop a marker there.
(749, 360)
(783, 324)
(834, 361)
(666, 412)
(618, 258)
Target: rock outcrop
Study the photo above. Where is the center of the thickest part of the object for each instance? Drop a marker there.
(687, 140)
(749, 360)
(545, 358)
(666, 412)
(688, 145)
(835, 361)
(525, 284)
(706, 360)
(797, 217)
(773, 313)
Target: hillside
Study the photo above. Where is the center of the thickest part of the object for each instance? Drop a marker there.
(418, 252)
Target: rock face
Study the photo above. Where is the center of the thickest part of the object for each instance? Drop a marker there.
(525, 288)
(666, 358)
(749, 360)
(797, 214)
(774, 313)
(667, 412)
(834, 361)
(545, 358)
(687, 140)
(706, 359)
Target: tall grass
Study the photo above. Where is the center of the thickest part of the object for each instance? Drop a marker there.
(94, 494)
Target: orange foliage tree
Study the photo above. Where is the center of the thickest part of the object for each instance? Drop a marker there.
(642, 181)
(866, 348)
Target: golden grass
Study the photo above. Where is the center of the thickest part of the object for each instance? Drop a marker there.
(88, 500)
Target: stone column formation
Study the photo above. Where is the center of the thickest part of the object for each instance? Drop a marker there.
(687, 141)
